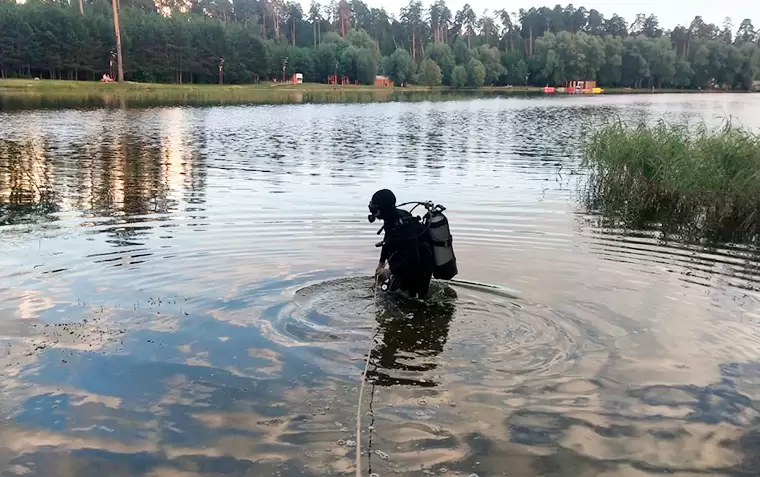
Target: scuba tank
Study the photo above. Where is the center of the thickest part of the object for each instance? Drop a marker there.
(443, 249)
(437, 230)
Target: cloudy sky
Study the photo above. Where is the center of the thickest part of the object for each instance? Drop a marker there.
(670, 13)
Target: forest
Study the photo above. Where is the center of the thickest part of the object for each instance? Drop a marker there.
(248, 41)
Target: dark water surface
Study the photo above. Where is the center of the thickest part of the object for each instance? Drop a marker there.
(183, 293)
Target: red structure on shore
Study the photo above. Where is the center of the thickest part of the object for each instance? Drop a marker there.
(383, 82)
(333, 79)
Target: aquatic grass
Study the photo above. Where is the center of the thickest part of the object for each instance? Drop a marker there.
(701, 181)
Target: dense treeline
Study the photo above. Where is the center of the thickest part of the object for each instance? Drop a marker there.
(184, 41)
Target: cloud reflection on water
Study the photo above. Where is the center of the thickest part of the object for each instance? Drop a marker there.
(184, 234)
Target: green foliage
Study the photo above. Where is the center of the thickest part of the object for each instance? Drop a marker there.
(399, 67)
(661, 59)
(490, 58)
(366, 66)
(430, 73)
(476, 74)
(710, 178)
(683, 74)
(459, 77)
(519, 75)
(357, 56)
(549, 46)
(443, 56)
(359, 64)
(328, 55)
(302, 61)
(462, 53)
(749, 68)
(362, 40)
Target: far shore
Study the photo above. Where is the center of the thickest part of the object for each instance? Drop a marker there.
(59, 87)
(23, 94)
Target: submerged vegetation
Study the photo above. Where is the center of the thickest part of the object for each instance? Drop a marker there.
(699, 183)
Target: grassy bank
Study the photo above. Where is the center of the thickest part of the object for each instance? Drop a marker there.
(16, 86)
(56, 94)
(30, 94)
(130, 89)
(24, 94)
(702, 182)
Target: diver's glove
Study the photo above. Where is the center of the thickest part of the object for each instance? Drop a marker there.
(383, 275)
(382, 278)
(380, 268)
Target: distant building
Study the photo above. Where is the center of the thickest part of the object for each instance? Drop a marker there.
(755, 86)
(581, 85)
(383, 82)
(585, 87)
(297, 78)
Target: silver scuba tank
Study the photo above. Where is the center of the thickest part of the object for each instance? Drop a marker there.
(443, 249)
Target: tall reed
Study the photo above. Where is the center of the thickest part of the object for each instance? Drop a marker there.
(702, 181)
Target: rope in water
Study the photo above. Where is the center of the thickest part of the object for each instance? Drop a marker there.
(361, 393)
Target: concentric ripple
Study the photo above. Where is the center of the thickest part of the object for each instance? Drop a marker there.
(514, 337)
(170, 298)
(411, 341)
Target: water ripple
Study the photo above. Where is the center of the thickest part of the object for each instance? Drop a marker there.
(184, 292)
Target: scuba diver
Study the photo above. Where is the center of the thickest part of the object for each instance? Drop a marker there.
(415, 249)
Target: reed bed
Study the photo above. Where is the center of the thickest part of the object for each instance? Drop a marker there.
(697, 181)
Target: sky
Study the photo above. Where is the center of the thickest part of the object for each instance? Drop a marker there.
(670, 13)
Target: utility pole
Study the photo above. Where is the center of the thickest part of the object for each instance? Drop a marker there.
(221, 70)
(111, 59)
(117, 29)
(81, 7)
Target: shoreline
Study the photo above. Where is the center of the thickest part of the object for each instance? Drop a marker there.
(11, 86)
(26, 94)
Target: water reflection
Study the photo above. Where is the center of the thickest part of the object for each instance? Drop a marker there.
(412, 335)
(673, 219)
(184, 292)
(127, 175)
(652, 429)
(26, 195)
(12, 101)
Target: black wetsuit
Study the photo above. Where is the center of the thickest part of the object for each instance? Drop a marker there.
(409, 253)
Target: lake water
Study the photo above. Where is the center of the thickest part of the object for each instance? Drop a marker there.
(184, 292)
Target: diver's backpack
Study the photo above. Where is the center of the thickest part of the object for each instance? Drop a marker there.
(436, 232)
(443, 248)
